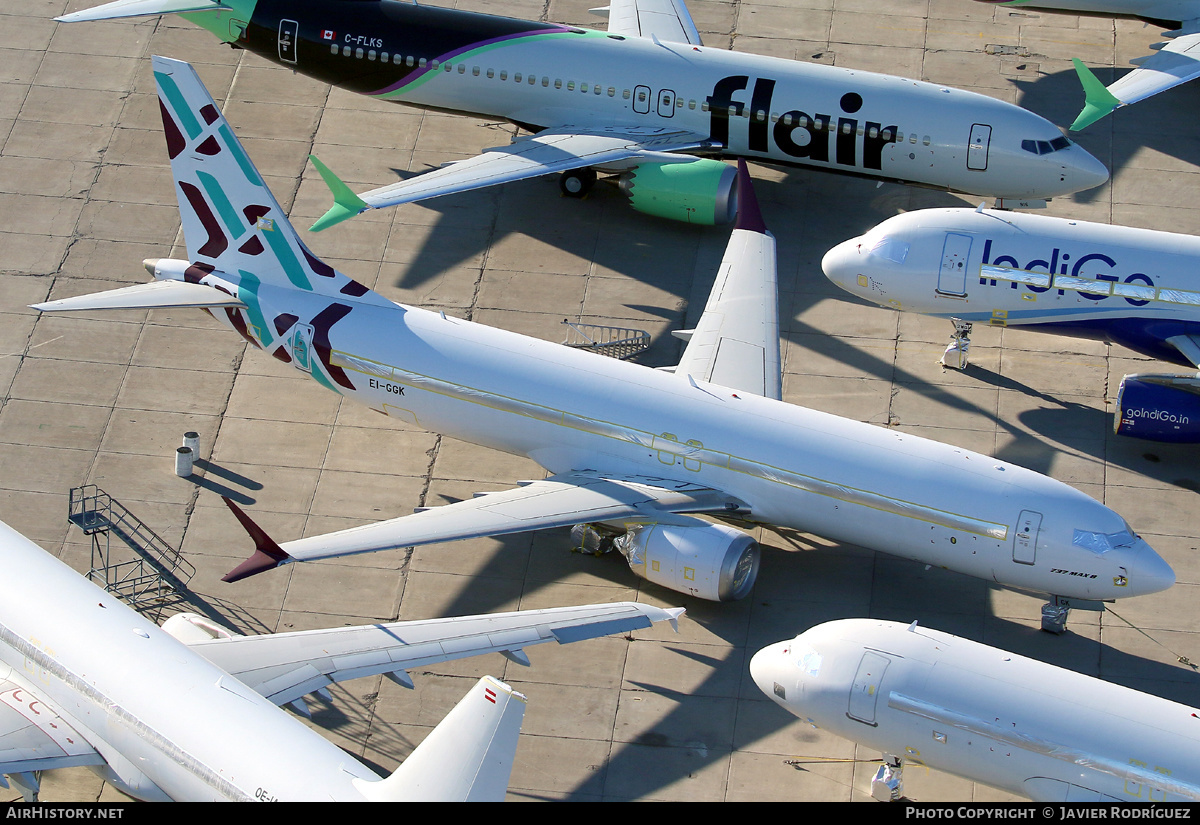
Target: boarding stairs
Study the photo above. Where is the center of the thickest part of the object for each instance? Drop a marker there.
(158, 572)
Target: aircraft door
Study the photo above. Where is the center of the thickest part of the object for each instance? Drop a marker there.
(1025, 540)
(977, 148)
(301, 346)
(641, 100)
(952, 277)
(666, 103)
(864, 694)
(289, 33)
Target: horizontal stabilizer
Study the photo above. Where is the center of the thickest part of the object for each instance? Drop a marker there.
(138, 8)
(154, 295)
(467, 758)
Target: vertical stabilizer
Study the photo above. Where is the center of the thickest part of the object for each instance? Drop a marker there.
(231, 221)
(468, 757)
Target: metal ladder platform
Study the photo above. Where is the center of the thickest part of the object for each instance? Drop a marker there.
(157, 574)
(615, 342)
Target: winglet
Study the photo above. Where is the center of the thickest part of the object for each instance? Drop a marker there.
(346, 204)
(749, 216)
(267, 554)
(1098, 100)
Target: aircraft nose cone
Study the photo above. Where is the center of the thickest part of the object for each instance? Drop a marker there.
(839, 263)
(1084, 171)
(1148, 571)
(766, 668)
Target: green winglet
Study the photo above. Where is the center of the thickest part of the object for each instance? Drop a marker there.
(346, 204)
(1098, 101)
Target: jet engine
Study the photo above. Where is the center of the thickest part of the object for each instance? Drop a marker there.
(700, 191)
(710, 561)
(1159, 408)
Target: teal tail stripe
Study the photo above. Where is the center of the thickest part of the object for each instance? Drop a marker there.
(248, 294)
(291, 267)
(235, 147)
(182, 110)
(217, 195)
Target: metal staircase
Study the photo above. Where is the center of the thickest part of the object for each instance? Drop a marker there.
(158, 572)
(615, 342)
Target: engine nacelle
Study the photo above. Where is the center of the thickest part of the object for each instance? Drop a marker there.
(1159, 408)
(701, 191)
(710, 561)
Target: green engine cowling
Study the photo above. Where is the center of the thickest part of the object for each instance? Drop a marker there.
(701, 191)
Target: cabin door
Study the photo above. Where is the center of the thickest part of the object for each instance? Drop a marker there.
(289, 31)
(1025, 540)
(952, 277)
(977, 149)
(864, 694)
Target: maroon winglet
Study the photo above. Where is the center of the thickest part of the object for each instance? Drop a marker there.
(267, 554)
(749, 217)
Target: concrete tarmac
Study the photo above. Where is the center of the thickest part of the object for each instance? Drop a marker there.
(105, 398)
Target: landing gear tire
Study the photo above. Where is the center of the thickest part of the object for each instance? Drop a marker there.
(957, 354)
(577, 182)
(1054, 615)
(888, 782)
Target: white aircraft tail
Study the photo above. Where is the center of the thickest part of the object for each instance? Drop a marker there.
(468, 757)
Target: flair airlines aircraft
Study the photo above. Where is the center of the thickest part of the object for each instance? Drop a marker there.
(639, 100)
(1134, 287)
(631, 451)
(188, 712)
(1173, 62)
(934, 700)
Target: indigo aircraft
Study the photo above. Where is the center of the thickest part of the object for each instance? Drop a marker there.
(1133, 287)
(1174, 61)
(190, 711)
(643, 100)
(938, 701)
(631, 451)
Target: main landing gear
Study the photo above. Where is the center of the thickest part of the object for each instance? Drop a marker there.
(576, 183)
(956, 354)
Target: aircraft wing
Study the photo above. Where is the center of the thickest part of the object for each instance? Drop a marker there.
(667, 20)
(154, 295)
(1188, 346)
(553, 150)
(1178, 61)
(558, 501)
(736, 341)
(283, 667)
(33, 737)
(138, 8)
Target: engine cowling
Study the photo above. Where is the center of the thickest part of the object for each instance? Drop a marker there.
(1159, 408)
(710, 561)
(702, 191)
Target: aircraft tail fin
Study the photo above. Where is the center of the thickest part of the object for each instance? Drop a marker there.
(138, 8)
(468, 757)
(231, 221)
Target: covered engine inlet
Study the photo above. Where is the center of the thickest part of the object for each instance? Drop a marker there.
(710, 561)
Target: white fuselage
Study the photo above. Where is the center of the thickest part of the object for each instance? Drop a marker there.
(575, 411)
(777, 110)
(1163, 10)
(1136, 287)
(169, 724)
(991, 716)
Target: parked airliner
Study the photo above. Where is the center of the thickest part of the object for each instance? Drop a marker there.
(1135, 287)
(933, 700)
(1170, 63)
(630, 450)
(643, 99)
(189, 711)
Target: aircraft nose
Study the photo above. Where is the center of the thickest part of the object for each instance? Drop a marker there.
(843, 263)
(1084, 171)
(767, 669)
(1148, 571)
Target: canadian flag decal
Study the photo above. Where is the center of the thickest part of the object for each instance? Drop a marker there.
(328, 35)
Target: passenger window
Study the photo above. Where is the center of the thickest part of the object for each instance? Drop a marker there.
(333, 49)
(371, 55)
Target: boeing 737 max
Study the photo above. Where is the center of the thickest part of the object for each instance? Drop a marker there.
(938, 701)
(1134, 287)
(638, 99)
(188, 712)
(630, 450)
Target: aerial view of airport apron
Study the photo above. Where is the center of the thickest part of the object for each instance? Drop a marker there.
(828, 371)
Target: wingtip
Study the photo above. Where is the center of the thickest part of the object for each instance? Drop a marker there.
(1098, 100)
(267, 553)
(675, 613)
(749, 215)
(346, 204)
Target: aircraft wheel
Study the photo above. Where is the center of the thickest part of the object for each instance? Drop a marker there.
(577, 182)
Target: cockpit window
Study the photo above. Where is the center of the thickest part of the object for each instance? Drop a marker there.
(1045, 147)
(891, 249)
(1100, 543)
